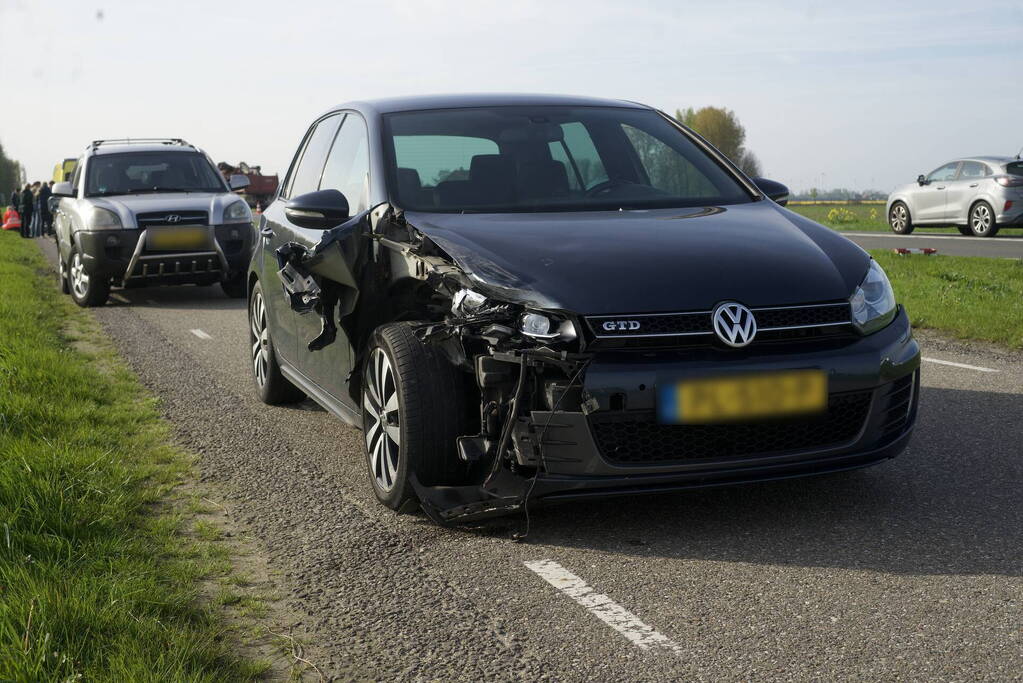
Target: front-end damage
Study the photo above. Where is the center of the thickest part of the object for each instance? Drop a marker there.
(527, 358)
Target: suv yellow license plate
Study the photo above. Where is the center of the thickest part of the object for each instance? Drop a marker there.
(744, 397)
(178, 238)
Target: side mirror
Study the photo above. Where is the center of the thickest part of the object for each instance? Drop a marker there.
(319, 210)
(773, 189)
(238, 181)
(921, 179)
(62, 190)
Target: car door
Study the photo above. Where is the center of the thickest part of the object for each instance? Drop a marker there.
(275, 230)
(346, 170)
(929, 199)
(963, 190)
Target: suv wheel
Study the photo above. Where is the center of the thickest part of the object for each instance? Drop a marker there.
(982, 220)
(235, 287)
(406, 426)
(899, 219)
(86, 290)
(273, 387)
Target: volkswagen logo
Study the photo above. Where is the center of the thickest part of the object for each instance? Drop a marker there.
(734, 324)
(173, 218)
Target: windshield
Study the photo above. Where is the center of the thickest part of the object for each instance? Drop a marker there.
(141, 172)
(518, 159)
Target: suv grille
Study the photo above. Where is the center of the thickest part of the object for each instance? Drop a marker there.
(146, 220)
(635, 439)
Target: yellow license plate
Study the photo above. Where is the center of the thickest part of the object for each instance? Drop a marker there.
(178, 238)
(744, 397)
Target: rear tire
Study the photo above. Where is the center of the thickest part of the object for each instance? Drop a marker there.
(273, 388)
(88, 291)
(899, 219)
(236, 286)
(982, 220)
(414, 406)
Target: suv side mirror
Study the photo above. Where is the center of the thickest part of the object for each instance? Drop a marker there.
(773, 189)
(921, 179)
(238, 181)
(62, 190)
(320, 210)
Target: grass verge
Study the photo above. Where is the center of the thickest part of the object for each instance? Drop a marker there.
(100, 574)
(866, 218)
(969, 297)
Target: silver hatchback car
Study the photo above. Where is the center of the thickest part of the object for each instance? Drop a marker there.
(978, 196)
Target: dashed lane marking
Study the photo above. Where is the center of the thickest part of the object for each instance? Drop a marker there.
(199, 333)
(958, 365)
(602, 607)
(119, 297)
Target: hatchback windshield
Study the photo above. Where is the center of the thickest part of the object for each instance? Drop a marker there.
(516, 159)
(140, 172)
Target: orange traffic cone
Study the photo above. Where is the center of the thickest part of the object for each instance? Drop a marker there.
(12, 221)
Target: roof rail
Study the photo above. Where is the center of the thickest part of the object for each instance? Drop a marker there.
(141, 141)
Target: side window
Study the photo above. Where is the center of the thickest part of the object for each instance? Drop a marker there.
(305, 176)
(347, 168)
(666, 169)
(580, 147)
(973, 169)
(946, 172)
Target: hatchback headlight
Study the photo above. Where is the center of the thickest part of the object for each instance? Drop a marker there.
(873, 302)
(237, 212)
(102, 219)
(546, 327)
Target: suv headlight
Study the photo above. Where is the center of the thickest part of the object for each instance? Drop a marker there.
(873, 302)
(237, 212)
(102, 219)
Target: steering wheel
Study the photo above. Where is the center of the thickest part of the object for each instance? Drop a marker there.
(606, 186)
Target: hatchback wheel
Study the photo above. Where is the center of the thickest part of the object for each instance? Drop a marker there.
(982, 220)
(899, 219)
(413, 408)
(272, 386)
(86, 290)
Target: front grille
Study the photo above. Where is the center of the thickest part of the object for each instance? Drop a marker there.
(146, 220)
(640, 439)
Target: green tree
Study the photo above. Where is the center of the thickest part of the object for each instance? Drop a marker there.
(12, 176)
(721, 128)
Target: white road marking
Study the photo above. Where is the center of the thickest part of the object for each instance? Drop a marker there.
(199, 333)
(602, 607)
(923, 236)
(958, 365)
(151, 302)
(118, 297)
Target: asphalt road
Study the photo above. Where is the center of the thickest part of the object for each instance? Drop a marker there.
(952, 244)
(909, 570)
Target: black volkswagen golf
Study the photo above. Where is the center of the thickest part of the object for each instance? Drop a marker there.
(524, 298)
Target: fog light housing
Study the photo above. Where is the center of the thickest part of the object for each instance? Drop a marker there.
(112, 241)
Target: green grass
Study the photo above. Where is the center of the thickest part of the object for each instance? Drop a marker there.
(100, 573)
(968, 297)
(866, 218)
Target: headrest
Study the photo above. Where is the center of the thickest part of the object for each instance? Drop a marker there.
(408, 178)
(487, 166)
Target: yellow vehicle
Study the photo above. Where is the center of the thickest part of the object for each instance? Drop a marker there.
(63, 171)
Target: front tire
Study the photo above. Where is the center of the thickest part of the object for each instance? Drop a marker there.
(273, 388)
(414, 406)
(62, 277)
(899, 219)
(86, 290)
(982, 220)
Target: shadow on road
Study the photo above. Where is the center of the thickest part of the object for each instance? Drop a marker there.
(182, 297)
(951, 504)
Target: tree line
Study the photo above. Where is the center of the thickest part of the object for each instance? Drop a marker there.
(12, 176)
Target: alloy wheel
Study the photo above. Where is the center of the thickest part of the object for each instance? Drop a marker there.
(980, 219)
(260, 338)
(381, 419)
(899, 218)
(79, 278)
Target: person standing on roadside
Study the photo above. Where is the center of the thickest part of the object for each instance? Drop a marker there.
(45, 217)
(15, 200)
(27, 198)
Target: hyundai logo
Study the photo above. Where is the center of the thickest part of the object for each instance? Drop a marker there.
(734, 324)
(621, 325)
(173, 218)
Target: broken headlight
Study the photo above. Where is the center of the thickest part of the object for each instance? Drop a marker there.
(873, 302)
(465, 301)
(546, 327)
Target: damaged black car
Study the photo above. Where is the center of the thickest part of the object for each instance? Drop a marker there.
(535, 298)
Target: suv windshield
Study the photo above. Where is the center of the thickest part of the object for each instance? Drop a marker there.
(548, 158)
(139, 172)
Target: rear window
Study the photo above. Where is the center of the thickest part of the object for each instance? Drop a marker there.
(1014, 168)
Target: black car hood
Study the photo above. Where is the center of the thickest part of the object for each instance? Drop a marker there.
(650, 261)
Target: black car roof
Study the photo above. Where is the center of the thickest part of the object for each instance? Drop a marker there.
(390, 105)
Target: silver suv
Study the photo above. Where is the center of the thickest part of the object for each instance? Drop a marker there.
(149, 212)
(978, 196)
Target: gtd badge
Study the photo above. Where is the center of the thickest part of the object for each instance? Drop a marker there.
(620, 325)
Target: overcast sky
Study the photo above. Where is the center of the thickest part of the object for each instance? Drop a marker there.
(858, 95)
